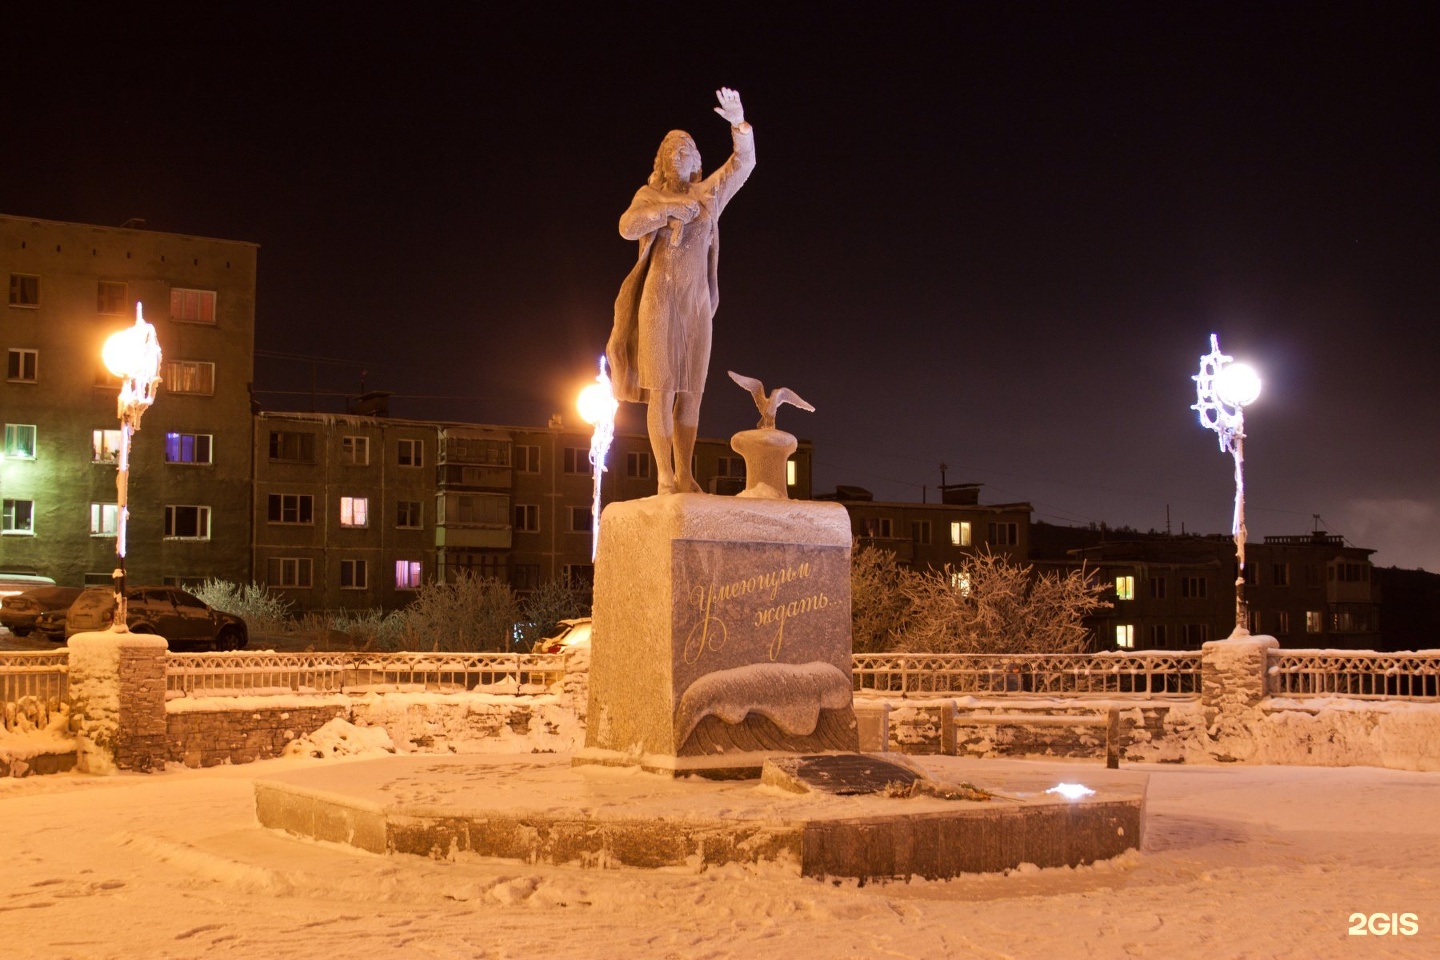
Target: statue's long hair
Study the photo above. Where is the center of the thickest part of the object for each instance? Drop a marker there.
(657, 175)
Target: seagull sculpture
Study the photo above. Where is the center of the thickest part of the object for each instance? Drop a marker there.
(767, 404)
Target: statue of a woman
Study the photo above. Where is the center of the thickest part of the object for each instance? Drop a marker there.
(659, 349)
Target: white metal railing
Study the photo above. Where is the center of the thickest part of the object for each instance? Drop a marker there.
(271, 674)
(1360, 674)
(33, 686)
(1149, 674)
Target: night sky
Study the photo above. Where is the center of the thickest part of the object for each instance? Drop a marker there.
(994, 236)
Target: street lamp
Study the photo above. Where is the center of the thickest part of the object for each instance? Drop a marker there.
(1223, 389)
(133, 355)
(597, 405)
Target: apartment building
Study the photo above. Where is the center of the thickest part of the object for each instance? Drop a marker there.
(69, 287)
(354, 512)
(931, 535)
(1178, 592)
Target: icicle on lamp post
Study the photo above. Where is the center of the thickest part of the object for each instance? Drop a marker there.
(597, 405)
(1223, 389)
(133, 355)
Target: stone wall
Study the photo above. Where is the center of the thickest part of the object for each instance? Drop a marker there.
(240, 733)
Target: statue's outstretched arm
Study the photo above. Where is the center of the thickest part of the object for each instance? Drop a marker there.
(730, 107)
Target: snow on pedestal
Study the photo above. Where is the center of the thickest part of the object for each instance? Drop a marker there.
(722, 633)
(1233, 686)
(117, 689)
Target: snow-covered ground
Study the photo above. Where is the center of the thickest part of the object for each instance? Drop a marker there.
(1238, 861)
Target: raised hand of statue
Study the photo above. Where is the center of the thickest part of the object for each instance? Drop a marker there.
(730, 107)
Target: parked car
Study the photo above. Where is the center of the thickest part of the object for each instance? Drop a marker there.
(569, 635)
(179, 617)
(51, 625)
(18, 613)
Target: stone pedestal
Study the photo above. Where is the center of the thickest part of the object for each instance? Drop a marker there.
(117, 688)
(766, 453)
(1233, 683)
(721, 634)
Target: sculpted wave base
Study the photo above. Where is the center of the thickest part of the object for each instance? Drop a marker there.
(722, 634)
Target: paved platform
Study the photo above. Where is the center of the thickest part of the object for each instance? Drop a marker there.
(542, 809)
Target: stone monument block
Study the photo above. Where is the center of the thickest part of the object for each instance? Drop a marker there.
(721, 634)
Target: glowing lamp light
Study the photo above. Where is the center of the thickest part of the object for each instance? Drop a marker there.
(1238, 384)
(1071, 791)
(124, 351)
(597, 404)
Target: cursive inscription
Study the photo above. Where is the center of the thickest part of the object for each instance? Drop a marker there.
(709, 600)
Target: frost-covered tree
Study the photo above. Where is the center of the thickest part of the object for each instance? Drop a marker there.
(878, 610)
(470, 613)
(262, 611)
(545, 606)
(986, 604)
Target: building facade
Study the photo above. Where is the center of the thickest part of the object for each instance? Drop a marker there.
(1178, 592)
(70, 287)
(355, 512)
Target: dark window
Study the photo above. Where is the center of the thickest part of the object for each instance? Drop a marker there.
(292, 446)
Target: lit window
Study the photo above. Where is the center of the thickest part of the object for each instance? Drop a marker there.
(960, 582)
(639, 464)
(577, 460)
(187, 523)
(527, 459)
(411, 453)
(1314, 619)
(581, 520)
(24, 290)
(407, 574)
(527, 518)
(791, 472)
(190, 376)
(292, 446)
(355, 451)
(353, 575)
(19, 517)
(407, 515)
(188, 448)
(920, 531)
(192, 306)
(354, 512)
(960, 533)
(105, 446)
(1124, 588)
(22, 365)
(1125, 635)
(289, 571)
(290, 508)
(104, 518)
(20, 441)
(111, 298)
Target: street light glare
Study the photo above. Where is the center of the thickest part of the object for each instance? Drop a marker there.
(596, 403)
(123, 351)
(1238, 384)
